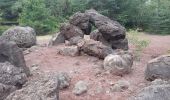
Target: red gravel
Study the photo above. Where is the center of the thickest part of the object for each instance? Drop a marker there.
(88, 68)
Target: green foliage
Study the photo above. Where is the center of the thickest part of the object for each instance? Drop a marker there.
(140, 44)
(35, 14)
(46, 15)
(3, 28)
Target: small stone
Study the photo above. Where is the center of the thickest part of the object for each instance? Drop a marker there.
(64, 80)
(120, 86)
(69, 51)
(80, 88)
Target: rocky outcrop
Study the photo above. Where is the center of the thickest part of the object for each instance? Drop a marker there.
(158, 68)
(23, 36)
(119, 63)
(43, 87)
(108, 36)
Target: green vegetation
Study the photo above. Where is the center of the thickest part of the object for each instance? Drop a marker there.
(46, 15)
(140, 44)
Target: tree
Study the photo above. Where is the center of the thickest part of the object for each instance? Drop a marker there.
(6, 11)
(35, 14)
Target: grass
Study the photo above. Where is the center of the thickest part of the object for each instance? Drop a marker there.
(3, 28)
(139, 43)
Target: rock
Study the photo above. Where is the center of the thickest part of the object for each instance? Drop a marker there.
(158, 68)
(64, 80)
(153, 92)
(96, 48)
(81, 20)
(5, 90)
(80, 88)
(11, 75)
(10, 52)
(120, 86)
(24, 37)
(79, 41)
(119, 63)
(110, 30)
(57, 39)
(97, 36)
(68, 50)
(70, 31)
(119, 44)
(43, 87)
(105, 25)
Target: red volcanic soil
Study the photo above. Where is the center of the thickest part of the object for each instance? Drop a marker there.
(89, 69)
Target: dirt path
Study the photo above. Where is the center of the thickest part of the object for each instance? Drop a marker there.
(89, 69)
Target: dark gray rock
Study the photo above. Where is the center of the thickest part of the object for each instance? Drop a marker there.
(70, 31)
(96, 48)
(57, 39)
(154, 92)
(5, 90)
(64, 80)
(158, 68)
(43, 87)
(23, 36)
(81, 20)
(111, 30)
(10, 52)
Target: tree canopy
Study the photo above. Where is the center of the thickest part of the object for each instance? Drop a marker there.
(46, 15)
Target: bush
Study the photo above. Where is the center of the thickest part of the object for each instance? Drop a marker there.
(35, 14)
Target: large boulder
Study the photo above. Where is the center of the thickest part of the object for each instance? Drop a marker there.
(154, 92)
(111, 30)
(158, 68)
(23, 36)
(119, 63)
(81, 20)
(10, 52)
(57, 39)
(43, 87)
(70, 31)
(96, 48)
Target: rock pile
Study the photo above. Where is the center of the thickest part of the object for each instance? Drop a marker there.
(110, 35)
